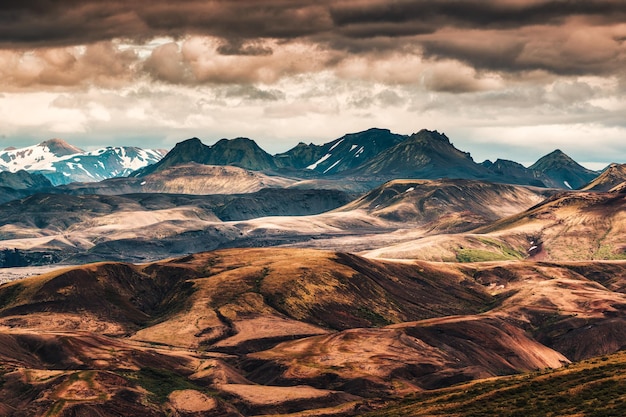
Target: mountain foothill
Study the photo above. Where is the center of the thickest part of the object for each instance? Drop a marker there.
(376, 274)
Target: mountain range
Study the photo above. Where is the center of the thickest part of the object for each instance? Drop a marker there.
(355, 162)
(63, 163)
(373, 157)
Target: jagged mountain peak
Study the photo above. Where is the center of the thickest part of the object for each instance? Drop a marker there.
(426, 134)
(425, 154)
(189, 143)
(62, 163)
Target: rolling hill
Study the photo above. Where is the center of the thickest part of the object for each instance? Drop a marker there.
(442, 203)
(277, 331)
(568, 226)
(48, 228)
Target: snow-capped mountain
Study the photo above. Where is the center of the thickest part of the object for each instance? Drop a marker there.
(36, 157)
(63, 163)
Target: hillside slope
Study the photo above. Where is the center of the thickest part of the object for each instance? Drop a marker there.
(614, 176)
(278, 331)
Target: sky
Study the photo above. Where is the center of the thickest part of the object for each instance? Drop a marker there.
(511, 79)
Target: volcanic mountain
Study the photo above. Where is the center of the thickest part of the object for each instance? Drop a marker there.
(360, 161)
(279, 331)
(612, 177)
(341, 154)
(515, 173)
(561, 170)
(425, 155)
(239, 152)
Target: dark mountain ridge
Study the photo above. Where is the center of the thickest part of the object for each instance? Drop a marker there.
(342, 154)
(515, 172)
(20, 184)
(562, 171)
(425, 155)
(239, 152)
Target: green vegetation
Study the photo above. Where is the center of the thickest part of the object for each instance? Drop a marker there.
(259, 280)
(494, 251)
(607, 252)
(56, 408)
(9, 293)
(478, 255)
(160, 383)
(591, 388)
(376, 319)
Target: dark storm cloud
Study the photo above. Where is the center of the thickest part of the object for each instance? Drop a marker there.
(472, 13)
(67, 22)
(29, 22)
(568, 37)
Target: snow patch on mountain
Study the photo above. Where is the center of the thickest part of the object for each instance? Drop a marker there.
(336, 144)
(322, 159)
(332, 166)
(62, 163)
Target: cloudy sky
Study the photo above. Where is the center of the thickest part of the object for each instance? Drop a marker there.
(514, 79)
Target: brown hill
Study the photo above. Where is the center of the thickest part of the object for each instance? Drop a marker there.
(448, 205)
(189, 178)
(593, 388)
(570, 226)
(566, 227)
(285, 330)
(612, 177)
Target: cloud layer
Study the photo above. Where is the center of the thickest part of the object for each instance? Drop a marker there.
(512, 36)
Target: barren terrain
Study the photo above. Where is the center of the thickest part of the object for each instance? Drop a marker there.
(275, 331)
